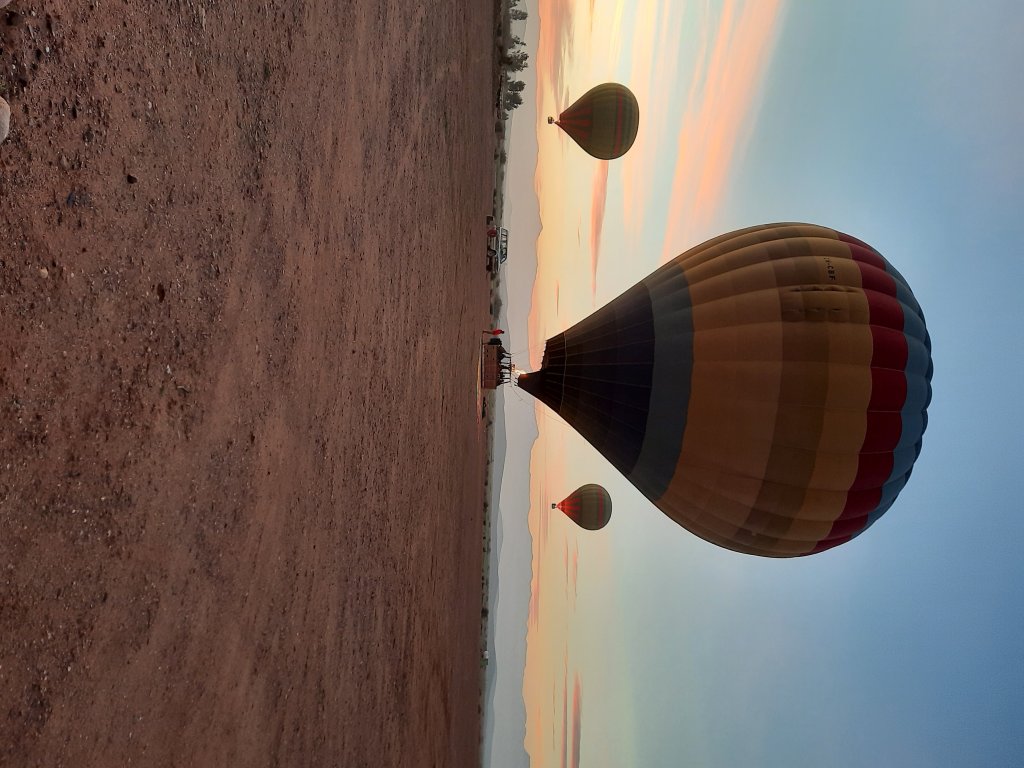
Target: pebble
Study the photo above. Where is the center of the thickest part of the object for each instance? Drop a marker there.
(5, 110)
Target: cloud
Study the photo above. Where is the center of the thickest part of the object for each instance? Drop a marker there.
(565, 559)
(565, 712)
(575, 572)
(539, 544)
(717, 124)
(598, 197)
(555, 45)
(572, 721)
(656, 51)
(540, 539)
(577, 717)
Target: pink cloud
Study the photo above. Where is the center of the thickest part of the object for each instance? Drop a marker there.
(577, 718)
(719, 116)
(565, 712)
(554, 46)
(653, 72)
(540, 542)
(572, 720)
(598, 197)
(574, 573)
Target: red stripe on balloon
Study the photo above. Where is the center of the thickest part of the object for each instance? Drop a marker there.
(848, 528)
(852, 240)
(860, 503)
(864, 253)
(888, 394)
(578, 122)
(889, 348)
(829, 543)
(885, 309)
(872, 279)
(873, 469)
(883, 432)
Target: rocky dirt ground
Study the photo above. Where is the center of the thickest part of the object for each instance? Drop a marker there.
(241, 292)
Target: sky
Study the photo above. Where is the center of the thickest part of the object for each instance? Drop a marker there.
(899, 123)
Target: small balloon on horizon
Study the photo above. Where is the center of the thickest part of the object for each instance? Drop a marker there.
(589, 506)
(603, 121)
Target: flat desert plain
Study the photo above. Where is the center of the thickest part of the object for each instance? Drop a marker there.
(241, 293)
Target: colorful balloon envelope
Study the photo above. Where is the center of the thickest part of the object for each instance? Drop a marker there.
(603, 121)
(589, 506)
(767, 390)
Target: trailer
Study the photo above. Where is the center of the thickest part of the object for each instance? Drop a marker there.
(490, 364)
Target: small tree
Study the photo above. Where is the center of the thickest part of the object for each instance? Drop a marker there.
(518, 15)
(515, 86)
(513, 100)
(515, 60)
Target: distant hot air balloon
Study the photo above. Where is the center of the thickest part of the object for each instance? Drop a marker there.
(603, 121)
(589, 506)
(767, 390)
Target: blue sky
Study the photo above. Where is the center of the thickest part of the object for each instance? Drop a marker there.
(899, 123)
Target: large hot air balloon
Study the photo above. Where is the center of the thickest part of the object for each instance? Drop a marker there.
(767, 390)
(603, 121)
(589, 506)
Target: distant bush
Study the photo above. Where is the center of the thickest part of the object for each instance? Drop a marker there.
(512, 100)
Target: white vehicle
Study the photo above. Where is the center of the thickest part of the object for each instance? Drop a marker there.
(497, 247)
